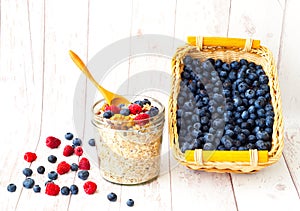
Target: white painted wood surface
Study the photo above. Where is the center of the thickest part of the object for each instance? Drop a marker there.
(38, 79)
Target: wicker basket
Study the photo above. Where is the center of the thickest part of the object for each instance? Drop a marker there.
(227, 49)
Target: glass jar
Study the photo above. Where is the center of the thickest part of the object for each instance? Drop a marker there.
(129, 150)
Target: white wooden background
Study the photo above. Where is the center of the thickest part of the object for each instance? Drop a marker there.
(38, 79)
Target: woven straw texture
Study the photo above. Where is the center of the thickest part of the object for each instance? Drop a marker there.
(227, 49)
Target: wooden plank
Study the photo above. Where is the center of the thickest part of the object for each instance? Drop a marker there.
(289, 75)
(269, 189)
(108, 24)
(265, 186)
(151, 17)
(21, 91)
(59, 82)
(202, 18)
(253, 19)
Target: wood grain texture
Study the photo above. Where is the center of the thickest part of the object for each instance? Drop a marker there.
(43, 93)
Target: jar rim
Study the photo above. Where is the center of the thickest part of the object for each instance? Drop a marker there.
(98, 120)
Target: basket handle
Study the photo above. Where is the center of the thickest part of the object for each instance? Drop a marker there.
(247, 44)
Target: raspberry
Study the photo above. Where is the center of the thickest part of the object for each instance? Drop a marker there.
(52, 189)
(30, 156)
(90, 187)
(113, 108)
(68, 150)
(135, 108)
(63, 167)
(142, 119)
(84, 164)
(52, 142)
(78, 151)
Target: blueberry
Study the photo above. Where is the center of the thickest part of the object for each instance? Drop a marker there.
(188, 106)
(242, 148)
(69, 136)
(261, 112)
(261, 122)
(130, 203)
(250, 93)
(204, 120)
(48, 181)
(112, 197)
(84, 174)
(121, 105)
(196, 133)
(36, 188)
(263, 135)
(185, 147)
(41, 169)
(77, 141)
(208, 146)
(125, 111)
(108, 114)
(237, 101)
(260, 144)
(242, 87)
(245, 115)
(74, 189)
(230, 133)
(92, 142)
(28, 183)
(243, 62)
(11, 187)
(218, 63)
(187, 60)
(65, 190)
(74, 167)
(146, 101)
(263, 79)
(139, 102)
(226, 67)
(260, 102)
(153, 111)
(235, 65)
(269, 107)
(269, 130)
(52, 158)
(27, 172)
(52, 175)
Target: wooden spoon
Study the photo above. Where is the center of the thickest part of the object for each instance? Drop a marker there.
(110, 98)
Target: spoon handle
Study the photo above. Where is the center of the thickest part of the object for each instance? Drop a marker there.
(84, 69)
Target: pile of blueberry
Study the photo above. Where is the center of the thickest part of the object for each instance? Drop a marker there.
(224, 106)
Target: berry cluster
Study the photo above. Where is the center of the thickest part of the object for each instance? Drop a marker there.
(224, 106)
(113, 197)
(138, 112)
(62, 167)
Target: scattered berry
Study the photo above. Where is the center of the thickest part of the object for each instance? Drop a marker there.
(69, 136)
(30, 157)
(11, 187)
(74, 189)
(84, 174)
(135, 108)
(112, 197)
(49, 181)
(36, 188)
(68, 150)
(27, 172)
(78, 151)
(142, 119)
(63, 167)
(65, 190)
(92, 142)
(52, 189)
(52, 158)
(28, 183)
(52, 142)
(90, 187)
(41, 169)
(77, 142)
(130, 203)
(52, 175)
(84, 164)
(74, 167)
(113, 108)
